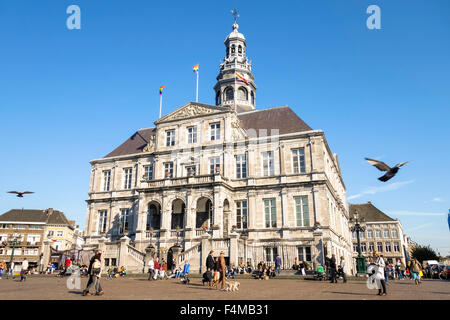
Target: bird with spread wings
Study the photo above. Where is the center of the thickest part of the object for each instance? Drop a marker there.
(20, 194)
(380, 165)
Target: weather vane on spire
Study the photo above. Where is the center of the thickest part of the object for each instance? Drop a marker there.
(235, 13)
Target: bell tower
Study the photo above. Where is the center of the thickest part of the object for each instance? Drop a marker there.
(235, 87)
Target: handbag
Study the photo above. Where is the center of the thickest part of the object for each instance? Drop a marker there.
(421, 273)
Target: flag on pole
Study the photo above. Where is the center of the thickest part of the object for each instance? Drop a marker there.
(195, 68)
(240, 78)
(448, 218)
(161, 90)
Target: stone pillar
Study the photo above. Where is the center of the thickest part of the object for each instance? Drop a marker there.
(46, 253)
(284, 214)
(206, 248)
(123, 252)
(227, 223)
(317, 249)
(233, 249)
(252, 210)
(101, 244)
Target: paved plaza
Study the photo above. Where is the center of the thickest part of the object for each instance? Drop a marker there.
(139, 288)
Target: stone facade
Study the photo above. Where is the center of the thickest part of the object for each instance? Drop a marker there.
(252, 183)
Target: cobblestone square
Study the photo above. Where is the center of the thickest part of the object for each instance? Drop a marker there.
(139, 288)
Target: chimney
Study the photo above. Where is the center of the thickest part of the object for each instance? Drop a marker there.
(50, 211)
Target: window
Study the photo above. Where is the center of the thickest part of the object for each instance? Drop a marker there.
(191, 170)
(4, 226)
(240, 49)
(192, 134)
(304, 253)
(355, 247)
(114, 262)
(59, 233)
(242, 94)
(253, 98)
(396, 247)
(241, 166)
(371, 247)
(363, 247)
(128, 174)
(241, 214)
(362, 234)
(168, 169)
(209, 208)
(302, 211)
(153, 217)
(124, 220)
(229, 94)
(354, 235)
(369, 234)
(19, 226)
(106, 179)
(106, 262)
(102, 214)
(35, 227)
(394, 234)
(215, 131)
(377, 234)
(388, 247)
(214, 164)
(386, 234)
(170, 138)
(3, 237)
(379, 246)
(298, 160)
(271, 254)
(148, 172)
(51, 233)
(32, 238)
(270, 213)
(2, 252)
(268, 165)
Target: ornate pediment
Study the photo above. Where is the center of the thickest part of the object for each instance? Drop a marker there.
(188, 111)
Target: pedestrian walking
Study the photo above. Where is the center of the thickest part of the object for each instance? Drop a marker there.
(379, 274)
(210, 264)
(156, 268)
(222, 268)
(278, 264)
(151, 269)
(333, 269)
(94, 272)
(342, 269)
(10, 273)
(2, 268)
(416, 268)
(23, 270)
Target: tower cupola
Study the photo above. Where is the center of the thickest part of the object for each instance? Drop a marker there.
(235, 85)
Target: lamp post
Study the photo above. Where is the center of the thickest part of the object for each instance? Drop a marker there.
(359, 226)
(13, 243)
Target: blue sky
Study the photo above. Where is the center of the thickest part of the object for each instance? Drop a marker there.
(69, 96)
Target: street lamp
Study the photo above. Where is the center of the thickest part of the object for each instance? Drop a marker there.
(13, 243)
(359, 226)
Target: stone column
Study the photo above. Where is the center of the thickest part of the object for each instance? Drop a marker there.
(317, 249)
(206, 248)
(233, 249)
(284, 214)
(123, 252)
(252, 210)
(46, 253)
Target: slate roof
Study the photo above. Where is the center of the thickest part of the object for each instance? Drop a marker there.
(369, 212)
(48, 216)
(281, 118)
(25, 215)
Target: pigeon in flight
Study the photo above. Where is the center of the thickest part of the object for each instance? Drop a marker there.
(391, 172)
(20, 194)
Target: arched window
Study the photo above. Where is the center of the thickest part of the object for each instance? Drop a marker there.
(233, 49)
(217, 98)
(153, 217)
(253, 98)
(240, 49)
(242, 94)
(229, 94)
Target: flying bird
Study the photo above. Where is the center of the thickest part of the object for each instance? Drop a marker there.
(380, 165)
(20, 194)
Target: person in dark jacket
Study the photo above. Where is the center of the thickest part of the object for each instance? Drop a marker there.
(97, 256)
(333, 269)
(210, 263)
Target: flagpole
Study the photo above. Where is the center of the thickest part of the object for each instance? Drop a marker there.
(160, 104)
(196, 95)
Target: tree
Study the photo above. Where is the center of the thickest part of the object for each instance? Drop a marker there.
(422, 253)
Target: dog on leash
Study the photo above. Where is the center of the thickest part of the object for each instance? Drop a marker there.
(232, 286)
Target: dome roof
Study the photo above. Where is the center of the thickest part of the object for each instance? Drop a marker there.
(235, 33)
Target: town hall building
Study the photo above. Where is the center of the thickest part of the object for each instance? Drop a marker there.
(254, 183)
